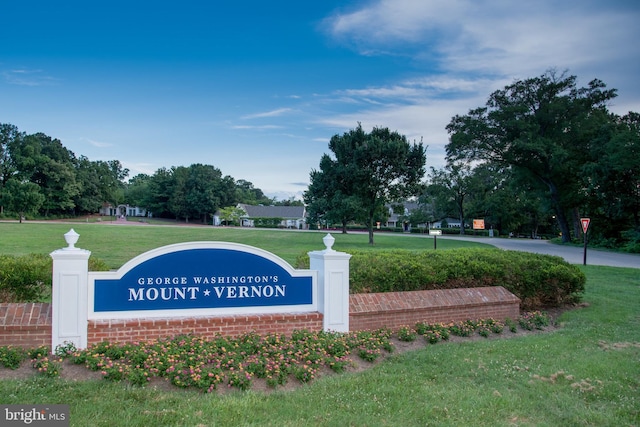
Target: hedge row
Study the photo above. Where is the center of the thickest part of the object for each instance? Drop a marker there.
(538, 280)
(27, 278)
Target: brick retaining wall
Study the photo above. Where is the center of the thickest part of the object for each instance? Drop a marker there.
(396, 309)
(129, 330)
(29, 325)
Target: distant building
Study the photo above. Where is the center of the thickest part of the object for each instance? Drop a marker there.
(108, 209)
(399, 219)
(450, 223)
(290, 216)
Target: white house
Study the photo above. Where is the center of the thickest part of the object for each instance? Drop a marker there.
(451, 223)
(291, 216)
(108, 209)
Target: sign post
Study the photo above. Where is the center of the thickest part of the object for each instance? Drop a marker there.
(585, 226)
(435, 234)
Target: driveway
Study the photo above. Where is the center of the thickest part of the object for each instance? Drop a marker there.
(572, 254)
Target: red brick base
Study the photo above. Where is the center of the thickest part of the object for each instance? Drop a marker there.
(131, 330)
(395, 309)
(26, 325)
(29, 325)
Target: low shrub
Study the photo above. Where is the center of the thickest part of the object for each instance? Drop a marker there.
(27, 278)
(538, 280)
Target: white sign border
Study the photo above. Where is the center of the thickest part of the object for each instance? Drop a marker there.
(199, 312)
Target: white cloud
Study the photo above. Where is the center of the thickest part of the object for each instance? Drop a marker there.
(272, 113)
(500, 38)
(265, 127)
(480, 46)
(27, 77)
(99, 144)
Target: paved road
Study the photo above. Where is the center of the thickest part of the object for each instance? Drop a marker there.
(573, 255)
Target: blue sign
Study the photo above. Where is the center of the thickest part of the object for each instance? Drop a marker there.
(203, 278)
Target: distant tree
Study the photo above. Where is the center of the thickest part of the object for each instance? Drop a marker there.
(450, 187)
(22, 197)
(330, 198)
(544, 126)
(136, 191)
(158, 198)
(382, 168)
(9, 136)
(248, 194)
(199, 191)
(291, 201)
(231, 215)
(99, 182)
(612, 178)
(46, 162)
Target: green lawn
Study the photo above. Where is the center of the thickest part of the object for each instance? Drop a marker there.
(586, 373)
(117, 244)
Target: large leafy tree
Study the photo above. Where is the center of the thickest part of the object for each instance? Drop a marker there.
(158, 198)
(44, 161)
(379, 167)
(329, 197)
(247, 193)
(100, 182)
(22, 197)
(200, 190)
(543, 126)
(611, 179)
(9, 136)
(449, 188)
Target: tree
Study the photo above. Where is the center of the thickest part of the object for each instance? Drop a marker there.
(612, 178)
(99, 182)
(200, 190)
(381, 167)
(248, 194)
(231, 215)
(160, 191)
(136, 191)
(22, 197)
(329, 196)
(544, 126)
(9, 136)
(46, 162)
(450, 187)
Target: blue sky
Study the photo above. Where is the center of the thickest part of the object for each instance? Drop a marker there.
(258, 88)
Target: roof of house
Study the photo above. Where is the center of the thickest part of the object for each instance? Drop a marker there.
(287, 212)
(449, 220)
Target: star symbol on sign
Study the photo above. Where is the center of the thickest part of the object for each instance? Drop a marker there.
(206, 292)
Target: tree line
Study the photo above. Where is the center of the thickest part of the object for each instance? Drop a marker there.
(541, 154)
(40, 177)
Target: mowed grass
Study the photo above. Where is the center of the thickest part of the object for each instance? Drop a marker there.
(117, 244)
(586, 373)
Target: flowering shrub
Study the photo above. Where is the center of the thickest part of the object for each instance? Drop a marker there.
(48, 367)
(11, 357)
(534, 320)
(205, 364)
(407, 334)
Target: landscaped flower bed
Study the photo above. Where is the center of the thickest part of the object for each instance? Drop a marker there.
(206, 364)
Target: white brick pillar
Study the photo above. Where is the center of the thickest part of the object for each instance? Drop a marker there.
(69, 299)
(333, 285)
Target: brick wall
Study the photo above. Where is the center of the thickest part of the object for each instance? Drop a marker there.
(29, 325)
(26, 325)
(130, 330)
(396, 309)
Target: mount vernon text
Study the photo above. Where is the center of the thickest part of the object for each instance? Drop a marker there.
(203, 276)
(229, 287)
